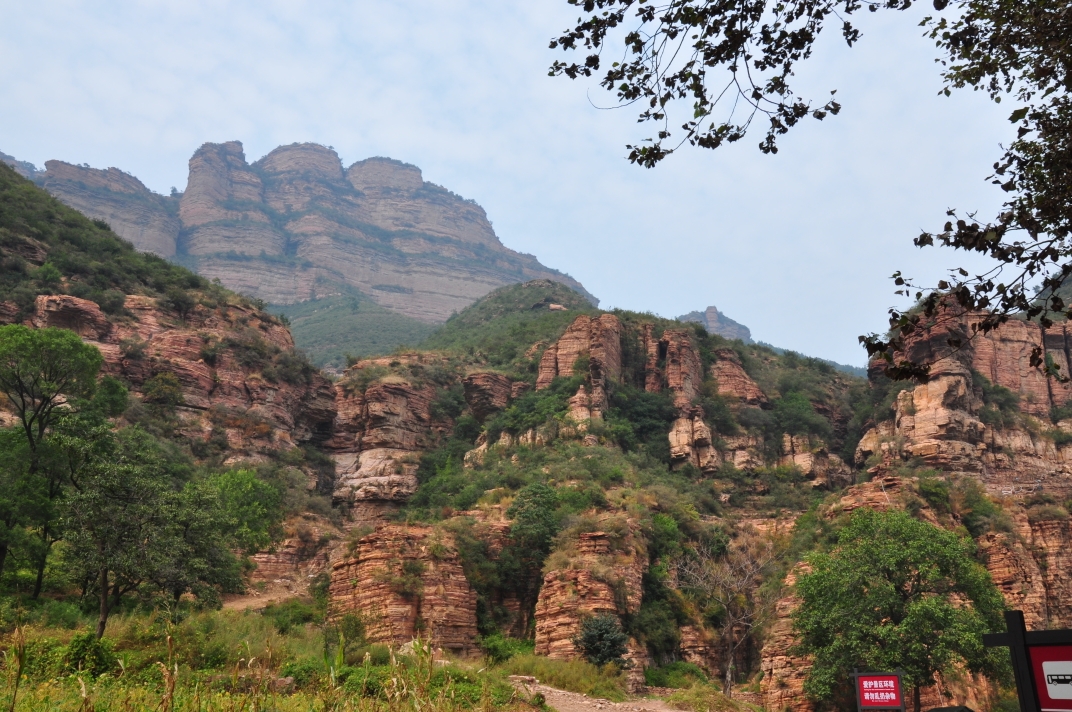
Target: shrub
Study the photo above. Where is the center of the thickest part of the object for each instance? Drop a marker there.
(304, 672)
(289, 614)
(573, 675)
(498, 648)
(678, 674)
(88, 655)
(936, 493)
(163, 390)
(602, 640)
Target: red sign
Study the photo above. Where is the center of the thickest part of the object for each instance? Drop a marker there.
(879, 691)
(1051, 666)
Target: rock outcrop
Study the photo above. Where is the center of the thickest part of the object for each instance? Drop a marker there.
(718, 323)
(486, 393)
(597, 338)
(941, 422)
(811, 456)
(225, 391)
(145, 219)
(733, 382)
(295, 225)
(407, 581)
(588, 586)
(691, 442)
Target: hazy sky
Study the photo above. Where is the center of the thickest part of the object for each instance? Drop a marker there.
(798, 246)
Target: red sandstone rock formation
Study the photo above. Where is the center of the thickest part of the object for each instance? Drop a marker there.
(938, 421)
(443, 254)
(812, 458)
(407, 581)
(304, 553)
(600, 339)
(255, 412)
(586, 588)
(486, 393)
(733, 382)
(690, 442)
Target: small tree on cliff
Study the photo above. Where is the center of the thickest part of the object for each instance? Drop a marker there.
(896, 593)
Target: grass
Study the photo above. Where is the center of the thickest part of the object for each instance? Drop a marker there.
(606, 682)
(233, 661)
(703, 697)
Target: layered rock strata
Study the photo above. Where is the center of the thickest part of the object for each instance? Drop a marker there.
(487, 393)
(947, 424)
(598, 338)
(223, 391)
(589, 586)
(733, 382)
(145, 219)
(295, 225)
(407, 581)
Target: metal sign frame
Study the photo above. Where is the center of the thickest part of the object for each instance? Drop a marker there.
(899, 674)
(1018, 639)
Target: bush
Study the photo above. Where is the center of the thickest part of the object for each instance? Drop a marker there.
(678, 674)
(289, 614)
(498, 648)
(304, 672)
(602, 640)
(88, 655)
(163, 390)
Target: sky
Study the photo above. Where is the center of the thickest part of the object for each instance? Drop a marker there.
(798, 246)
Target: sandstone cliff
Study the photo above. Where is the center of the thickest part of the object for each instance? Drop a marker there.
(407, 581)
(295, 225)
(948, 424)
(225, 359)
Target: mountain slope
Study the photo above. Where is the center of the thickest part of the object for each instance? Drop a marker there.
(295, 226)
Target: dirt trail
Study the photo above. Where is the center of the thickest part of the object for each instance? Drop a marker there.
(563, 701)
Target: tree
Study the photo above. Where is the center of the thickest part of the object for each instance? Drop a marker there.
(602, 640)
(120, 517)
(896, 593)
(42, 372)
(531, 535)
(731, 581)
(725, 64)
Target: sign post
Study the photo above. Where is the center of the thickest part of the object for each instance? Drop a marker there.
(1041, 663)
(879, 691)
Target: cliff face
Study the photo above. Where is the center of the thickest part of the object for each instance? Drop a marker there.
(405, 581)
(148, 221)
(295, 226)
(941, 422)
(222, 357)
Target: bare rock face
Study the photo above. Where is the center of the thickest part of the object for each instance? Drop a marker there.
(146, 219)
(733, 382)
(586, 588)
(699, 648)
(672, 363)
(221, 392)
(380, 433)
(600, 339)
(812, 458)
(407, 581)
(486, 393)
(691, 442)
(940, 422)
(304, 553)
(294, 226)
(782, 687)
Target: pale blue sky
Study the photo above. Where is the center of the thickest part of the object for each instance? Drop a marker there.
(798, 246)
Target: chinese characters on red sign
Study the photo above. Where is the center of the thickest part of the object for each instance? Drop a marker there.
(878, 691)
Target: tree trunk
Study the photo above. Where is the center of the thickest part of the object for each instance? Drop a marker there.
(916, 699)
(3, 558)
(103, 620)
(39, 581)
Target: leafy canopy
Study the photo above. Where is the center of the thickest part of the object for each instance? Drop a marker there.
(718, 67)
(892, 595)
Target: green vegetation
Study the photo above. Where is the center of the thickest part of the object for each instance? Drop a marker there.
(602, 640)
(499, 329)
(349, 325)
(890, 596)
(84, 257)
(574, 675)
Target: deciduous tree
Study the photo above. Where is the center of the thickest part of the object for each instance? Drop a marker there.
(895, 593)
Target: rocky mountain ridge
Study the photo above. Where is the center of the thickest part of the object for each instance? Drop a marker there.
(295, 226)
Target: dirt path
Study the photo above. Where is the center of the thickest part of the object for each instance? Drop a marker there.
(563, 701)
